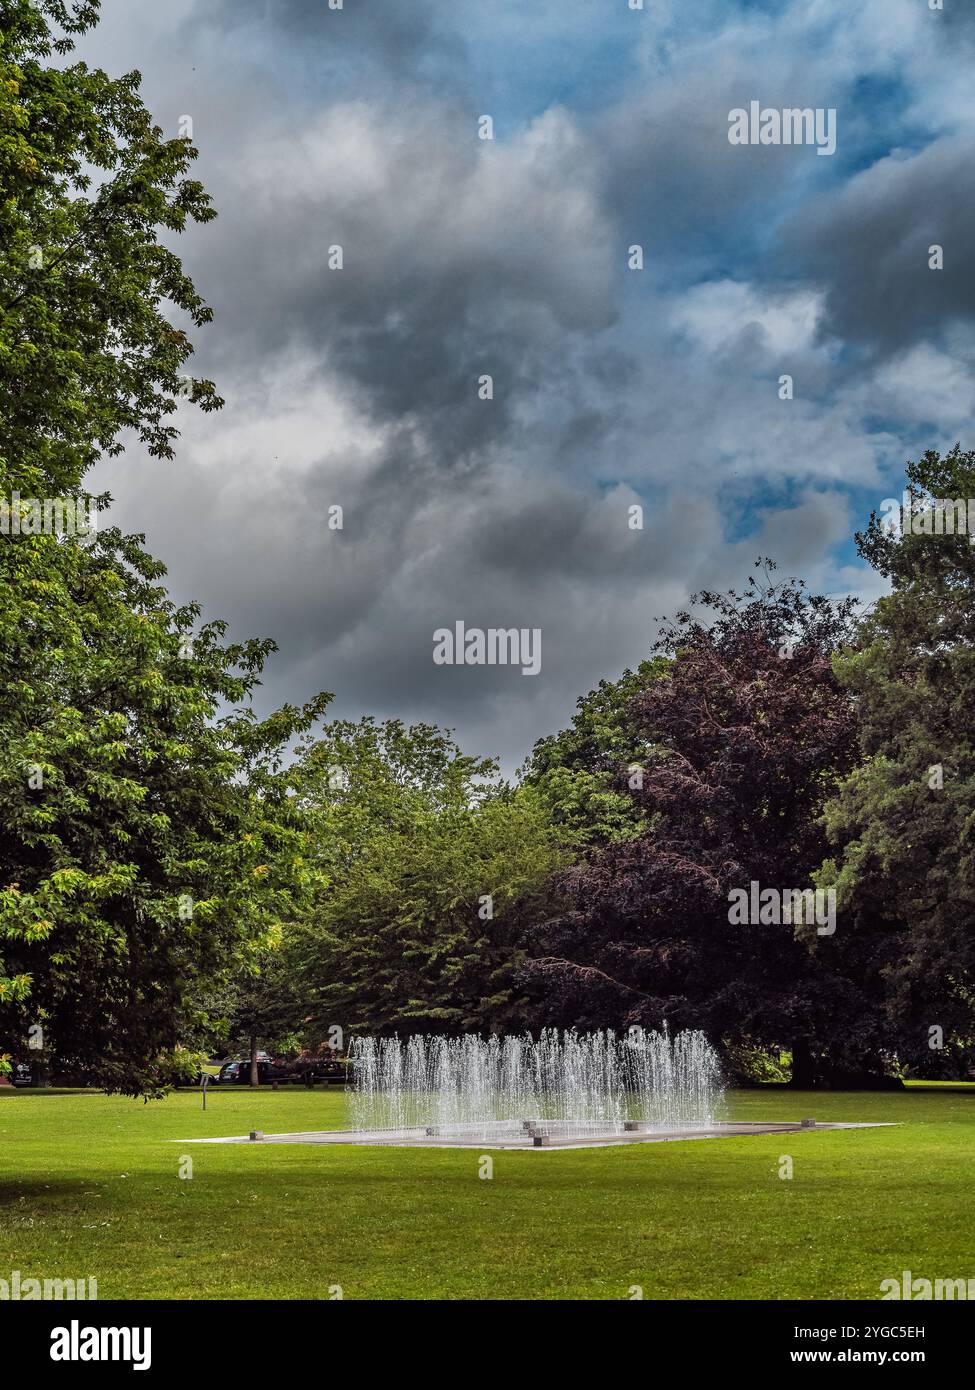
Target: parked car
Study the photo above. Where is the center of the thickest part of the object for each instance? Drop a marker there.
(238, 1073)
(325, 1070)
(76, 1078)
(283, 1072)
(335, 1073)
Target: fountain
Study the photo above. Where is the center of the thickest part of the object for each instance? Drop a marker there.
(565, 1090)
(558, 1087)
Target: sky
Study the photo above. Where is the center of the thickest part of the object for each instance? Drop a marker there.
(510, 257)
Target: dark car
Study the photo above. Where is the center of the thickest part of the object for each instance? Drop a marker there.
(321, 1070)
(239, 1073)
(335, 1073)
(77, 1078)
(307, 1071)
(281, 1072)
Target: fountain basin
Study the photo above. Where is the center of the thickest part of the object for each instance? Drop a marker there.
(545, 1138)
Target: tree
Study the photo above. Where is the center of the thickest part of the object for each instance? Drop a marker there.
(746, 732)
(903, 820)
(87, 185)
(433, 866)
(575, 770)
(263, 1004)
(147, 829)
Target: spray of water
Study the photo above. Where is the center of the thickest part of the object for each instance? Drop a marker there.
(594, 1083)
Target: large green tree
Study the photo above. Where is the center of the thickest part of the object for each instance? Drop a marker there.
(148, 834)
(433, 866)
(903, 820)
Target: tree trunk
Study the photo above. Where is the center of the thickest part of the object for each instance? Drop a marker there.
(255, 1074)
(803, 1071)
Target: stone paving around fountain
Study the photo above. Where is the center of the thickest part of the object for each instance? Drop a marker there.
(533, 1136)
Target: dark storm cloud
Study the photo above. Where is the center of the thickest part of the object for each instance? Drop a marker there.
(460, 261)
(868, 244)
(399, 40)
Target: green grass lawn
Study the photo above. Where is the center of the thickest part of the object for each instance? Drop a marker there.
(89, 1185)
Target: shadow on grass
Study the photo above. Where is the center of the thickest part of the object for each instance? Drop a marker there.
(16, 1189)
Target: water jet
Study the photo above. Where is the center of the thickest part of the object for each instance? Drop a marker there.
(561, 1085)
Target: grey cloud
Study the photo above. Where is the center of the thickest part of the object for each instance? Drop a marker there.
(867, 244)
(402, 38)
